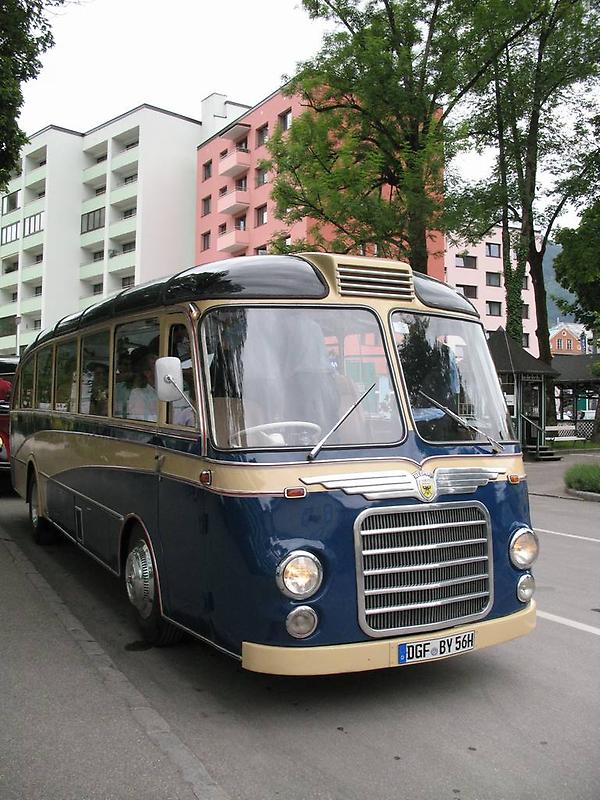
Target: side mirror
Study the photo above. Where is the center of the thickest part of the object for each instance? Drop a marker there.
(169, 378)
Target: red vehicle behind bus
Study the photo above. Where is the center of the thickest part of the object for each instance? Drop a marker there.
(7, 374)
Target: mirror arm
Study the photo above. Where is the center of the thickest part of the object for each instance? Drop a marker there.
(169, 379)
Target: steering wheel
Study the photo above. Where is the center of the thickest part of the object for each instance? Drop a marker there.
(267, 427)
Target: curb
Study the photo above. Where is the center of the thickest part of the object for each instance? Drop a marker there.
(593, 497)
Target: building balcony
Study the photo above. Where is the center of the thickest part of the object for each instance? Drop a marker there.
(12, 216)
(94, 174)
(95, 269)
(9, 279)
(123, 262)
(35, 176)
(33, 241)
(8, 344)
(34, 207)
(127, 159)
(86, 302)
(233, 241)
(10, 249)
(33, 273)
(8, 310)
(28, 337)
(14, 184)
(123, 229)
(31, 305)
(233, 202)
(92, 237)
(93, 203)
(127, 191)
(234, 163)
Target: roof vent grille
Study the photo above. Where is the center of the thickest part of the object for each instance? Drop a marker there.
(373, 282)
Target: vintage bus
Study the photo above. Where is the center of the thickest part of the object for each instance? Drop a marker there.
(8, 368)
(305, 461)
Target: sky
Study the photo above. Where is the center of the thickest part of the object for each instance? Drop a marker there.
(112, 55)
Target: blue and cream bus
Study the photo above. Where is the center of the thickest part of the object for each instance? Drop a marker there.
(305, 461)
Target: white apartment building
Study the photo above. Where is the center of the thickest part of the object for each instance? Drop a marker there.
(88, 214)
(476, 271)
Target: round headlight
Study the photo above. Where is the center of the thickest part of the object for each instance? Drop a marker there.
(301, 622)
(525, 588)
(299, 574)
(524, 548)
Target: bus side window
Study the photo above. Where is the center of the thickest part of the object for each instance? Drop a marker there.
(136, 351)
(65, 388)
(27, 383)
(43, 388)
(93, 383)
(178, 412)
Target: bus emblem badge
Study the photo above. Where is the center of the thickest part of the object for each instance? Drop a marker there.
(426, 486)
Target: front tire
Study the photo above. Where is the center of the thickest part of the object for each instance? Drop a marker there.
(141, 586)
(43, 532)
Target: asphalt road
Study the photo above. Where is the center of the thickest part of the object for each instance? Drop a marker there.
(521, 720)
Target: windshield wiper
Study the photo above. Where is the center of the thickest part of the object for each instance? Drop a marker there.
(315, 451)
(496, 446)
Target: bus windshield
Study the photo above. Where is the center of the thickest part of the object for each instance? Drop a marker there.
(447, 367)
(283, 377)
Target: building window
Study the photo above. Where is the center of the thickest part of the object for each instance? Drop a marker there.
(222, 229)
(33, 224)
(261, 251)
(261, 216)
(131, 145)
(240, 223)
(242, 184)
(525, 341)
(101, 190)
(129, 247)
(493, 309)
(524, 311)
(98, 255)
(100, 159)
(11, 202)
(262, 135)
(37, 324)
(222, 191)
(492, 249)
(92, 220)
(464, 260)
(14, 296)
(97, 288)
(223, 153)
(559, 344)
(261, 177)
(130, 178)
(39, 257)
(9, 233)
(37, 292)
(525, 282)
(492, 279)
(206, 241)
(285, 120)
(569, 344)
(41, 194)
(206, 205)
(206, 170)
(242, 145)
(127, 281)
(130, 212)
(468, 291)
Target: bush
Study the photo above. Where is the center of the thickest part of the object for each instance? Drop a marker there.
(584, 477)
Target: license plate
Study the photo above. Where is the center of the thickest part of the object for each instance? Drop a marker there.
(411, 652)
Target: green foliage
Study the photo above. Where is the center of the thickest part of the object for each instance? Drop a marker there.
(577, 267)
(24, 36)
(583, 477)
(365, 161)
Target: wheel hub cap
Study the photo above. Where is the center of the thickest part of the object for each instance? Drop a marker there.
(139, 579)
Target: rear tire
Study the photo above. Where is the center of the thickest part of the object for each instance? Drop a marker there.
(43, 532)
(141, 586)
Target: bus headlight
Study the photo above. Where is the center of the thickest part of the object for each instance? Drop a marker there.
(524, 548)
(301, 622)
(525, 588)
(299, 575)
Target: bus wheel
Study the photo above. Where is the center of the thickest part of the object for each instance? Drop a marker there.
(142, 592)
(43, 532)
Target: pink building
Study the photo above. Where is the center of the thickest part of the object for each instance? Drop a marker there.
(234, 210)
(476, 271)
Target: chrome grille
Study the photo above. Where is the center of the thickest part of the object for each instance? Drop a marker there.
(423, 567)
(372, 282)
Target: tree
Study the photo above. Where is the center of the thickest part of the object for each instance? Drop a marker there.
(365, 160)
(540, 115)
(24, 36)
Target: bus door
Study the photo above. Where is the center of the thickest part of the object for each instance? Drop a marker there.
(181, 499)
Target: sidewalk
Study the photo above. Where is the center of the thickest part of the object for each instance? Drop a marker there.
(546, 478)
(72, 727)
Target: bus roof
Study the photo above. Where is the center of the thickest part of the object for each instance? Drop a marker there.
(283, 277)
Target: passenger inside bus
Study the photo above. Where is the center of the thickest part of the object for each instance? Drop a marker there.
(143, 400)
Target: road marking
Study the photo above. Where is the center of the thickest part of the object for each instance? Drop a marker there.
(570, 535)
(581, 626)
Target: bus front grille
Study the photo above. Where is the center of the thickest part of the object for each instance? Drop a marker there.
(423, 567)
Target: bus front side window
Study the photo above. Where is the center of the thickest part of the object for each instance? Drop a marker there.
(179, 412)
(136, 351)
(93, 388)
